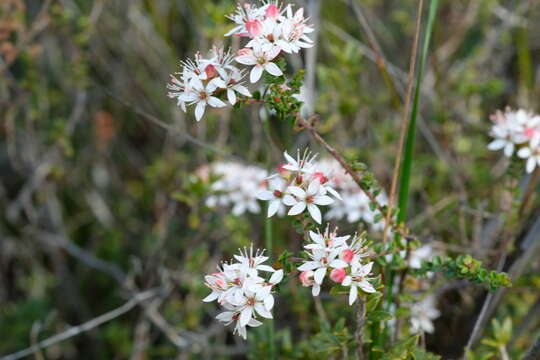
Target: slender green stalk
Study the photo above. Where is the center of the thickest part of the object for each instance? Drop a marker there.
(411, 132)
(268, 243)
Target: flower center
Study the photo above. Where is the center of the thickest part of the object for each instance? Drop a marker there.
(277, 193)
(309, 199)
(251, 301)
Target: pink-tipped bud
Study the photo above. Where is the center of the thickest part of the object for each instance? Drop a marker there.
(320, 176)
(306, 278)
(254, 28)
(347, 255)
(244, 51)
(210, 71)
(272, 11)
(281, 170)
(529, 132)
(338, 275)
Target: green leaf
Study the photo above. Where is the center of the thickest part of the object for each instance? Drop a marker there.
(379, 315)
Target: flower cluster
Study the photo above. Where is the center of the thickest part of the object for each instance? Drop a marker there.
(517, 129)
(355, 205)
(206, 81)
(244, 294)
(271, 30)
(331, 254)
(214, 80)
(236, 186)
(300, 185)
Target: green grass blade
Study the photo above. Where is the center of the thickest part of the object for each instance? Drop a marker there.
(411, 131)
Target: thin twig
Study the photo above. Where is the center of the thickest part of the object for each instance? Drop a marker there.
(305, 124)
(534, 351)
(360, 323)
(79, 329)
(405, 122)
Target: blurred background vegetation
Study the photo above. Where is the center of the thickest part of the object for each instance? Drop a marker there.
(100, 200)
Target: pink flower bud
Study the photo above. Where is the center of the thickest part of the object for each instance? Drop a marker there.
(272, 11)
(254, 28)
(529, 132)
(306, 278)
(338, 275)
(347, 255)
(244, 51)
(210, 71)
(320, 176)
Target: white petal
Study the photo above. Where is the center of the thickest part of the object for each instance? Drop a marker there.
(323, 200)
(316, 289)
(309, 265)
(347, 281)
(245, 316)
(496, 144)
(319, 275)
(314, 212)
(199, 110)
(255, 74)
(213, 296)
(298, 209)
(366, 286)
(242, 90)
(273, 207)
(215, 102)
(531, 164)
(276, 277)
(296, 191)
(261, 310)
(509, 149)
(231, 96)
(289, 200)
(269, 302)
(225, 316)
(353, 294)
(246, 59)
(273, 69)
(265, 195)
(524, 152)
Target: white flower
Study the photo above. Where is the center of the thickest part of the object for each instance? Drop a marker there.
(232, 82)
(251, 263)
(260, 57)
(242, 292)
(275, 193)
(310, 198)
(256, 299)
(422, 315)
(306, 278)
(358, 279)
(303, 163)
(531, 153)
(201, 95)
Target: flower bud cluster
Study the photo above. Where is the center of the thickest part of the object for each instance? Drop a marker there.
(300, 185)
(517, 129)
(343, 262)
(244, 294)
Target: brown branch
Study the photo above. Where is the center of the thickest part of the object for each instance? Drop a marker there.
(534, 351)
(305, 124)
(360, 322)
(79, 329)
